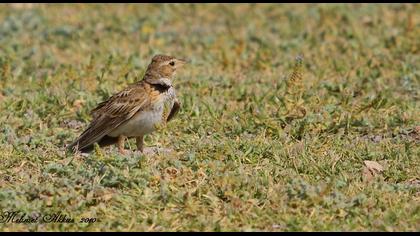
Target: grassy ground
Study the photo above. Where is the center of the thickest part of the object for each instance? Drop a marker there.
(253, 150)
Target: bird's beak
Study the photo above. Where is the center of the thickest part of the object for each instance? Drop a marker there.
(183, 61)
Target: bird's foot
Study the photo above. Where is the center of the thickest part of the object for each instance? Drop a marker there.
(123, 151)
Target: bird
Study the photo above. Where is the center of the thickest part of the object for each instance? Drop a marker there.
(139, 109)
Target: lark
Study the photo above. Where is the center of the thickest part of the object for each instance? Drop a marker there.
(136, 111)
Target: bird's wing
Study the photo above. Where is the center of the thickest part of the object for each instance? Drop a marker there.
(119, 96)
(174, 110)
(110, 114)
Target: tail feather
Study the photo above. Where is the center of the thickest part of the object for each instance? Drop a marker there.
(103, 142)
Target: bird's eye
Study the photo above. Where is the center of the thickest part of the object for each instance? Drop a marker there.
(172, 63)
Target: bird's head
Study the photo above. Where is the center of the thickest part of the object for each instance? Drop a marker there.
(163, 66)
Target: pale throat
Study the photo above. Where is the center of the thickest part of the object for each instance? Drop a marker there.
(164, 81)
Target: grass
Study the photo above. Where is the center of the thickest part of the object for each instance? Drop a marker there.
(254, 151)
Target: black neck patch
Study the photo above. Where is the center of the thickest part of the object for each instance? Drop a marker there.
(161, 84)
(161, 87)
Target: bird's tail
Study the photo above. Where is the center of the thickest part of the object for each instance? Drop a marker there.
(103, 142)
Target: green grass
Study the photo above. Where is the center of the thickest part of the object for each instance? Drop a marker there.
(247, 158)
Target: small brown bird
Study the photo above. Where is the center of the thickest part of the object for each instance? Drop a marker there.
(135, 111)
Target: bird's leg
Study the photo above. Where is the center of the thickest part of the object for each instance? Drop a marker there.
(121, 140)
(139, 143)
